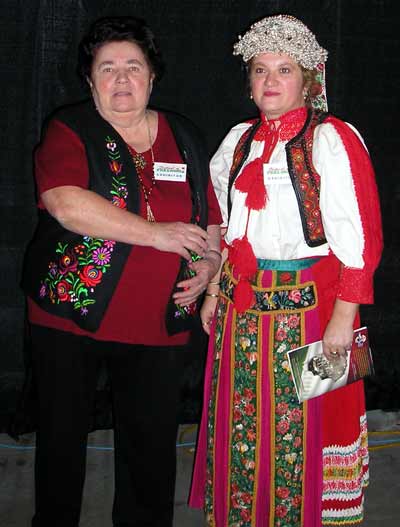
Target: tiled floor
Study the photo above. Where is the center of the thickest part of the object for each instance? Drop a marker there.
(16, 475)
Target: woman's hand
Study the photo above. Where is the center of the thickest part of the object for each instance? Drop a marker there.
(85, 212)
(207, 311)
(338, 335)
(178, 237)
(192, 288)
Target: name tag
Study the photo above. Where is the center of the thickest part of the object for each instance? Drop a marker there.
(170, 172)
(276, 175)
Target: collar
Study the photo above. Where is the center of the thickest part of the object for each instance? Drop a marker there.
(286, 127)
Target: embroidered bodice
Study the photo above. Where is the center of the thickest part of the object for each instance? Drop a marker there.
(275, 232)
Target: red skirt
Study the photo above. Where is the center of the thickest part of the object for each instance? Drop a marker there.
(263, 459)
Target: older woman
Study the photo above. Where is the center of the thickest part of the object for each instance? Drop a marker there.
(303, 238)
(128, 238)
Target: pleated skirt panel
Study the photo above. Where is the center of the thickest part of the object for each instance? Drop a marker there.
(263, 459)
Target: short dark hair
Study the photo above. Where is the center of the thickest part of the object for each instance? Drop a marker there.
(117, 29)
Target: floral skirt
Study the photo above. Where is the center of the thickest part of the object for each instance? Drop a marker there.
(263, 459)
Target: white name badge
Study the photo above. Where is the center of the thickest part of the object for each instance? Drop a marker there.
(170, 172)
(275, 175)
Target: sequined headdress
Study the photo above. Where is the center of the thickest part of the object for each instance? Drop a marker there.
(287, 35)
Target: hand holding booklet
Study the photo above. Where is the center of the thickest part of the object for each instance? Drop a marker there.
(314, 374)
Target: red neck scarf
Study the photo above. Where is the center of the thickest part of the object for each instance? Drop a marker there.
(251, 182)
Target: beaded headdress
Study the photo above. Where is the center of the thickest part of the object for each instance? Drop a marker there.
(287, 35)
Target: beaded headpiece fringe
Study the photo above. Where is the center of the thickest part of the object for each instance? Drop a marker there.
(281, 34)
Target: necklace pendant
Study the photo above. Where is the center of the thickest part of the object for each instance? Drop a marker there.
(150, 215)
(139, 161)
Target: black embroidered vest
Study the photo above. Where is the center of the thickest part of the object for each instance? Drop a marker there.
(304, 178)
(74, 276)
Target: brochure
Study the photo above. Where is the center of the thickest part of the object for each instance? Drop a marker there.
(314, 374)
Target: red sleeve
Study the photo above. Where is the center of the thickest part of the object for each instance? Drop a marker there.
(356, 285)
(60, 160)
(214, 212)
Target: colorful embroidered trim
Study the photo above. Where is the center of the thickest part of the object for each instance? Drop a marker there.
(346, 474)
(306, 181)
(243, 445)
(210, 476)
(78, 269)
(183, 312)
(288, 447)
(280, 298)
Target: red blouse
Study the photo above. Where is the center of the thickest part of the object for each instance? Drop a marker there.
(136, 312)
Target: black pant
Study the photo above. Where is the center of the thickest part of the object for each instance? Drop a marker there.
(145, 385)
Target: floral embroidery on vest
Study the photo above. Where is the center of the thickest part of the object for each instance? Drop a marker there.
(78, 269)
(183, 312)
(306, 182)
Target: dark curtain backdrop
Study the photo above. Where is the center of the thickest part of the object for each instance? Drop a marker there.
(38, 42)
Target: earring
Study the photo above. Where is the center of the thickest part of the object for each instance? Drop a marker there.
(251, 96)
(305, 95)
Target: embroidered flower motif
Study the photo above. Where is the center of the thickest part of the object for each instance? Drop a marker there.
(116, 167)
(109, 244)
(78, 270)
(282, 492)
(79, 249)
(281, 334)
(295, 295)
(244, 342)
(90, 275)
(101, 256)
(63, 289)
(111, 145)
(68, 263)
(297, 441)
(286, 276)
(119, 202)
(281, 511)
(43, 291)
(246, 515)
(53, 269)
(293, 321)
(282, 408)
(282, 426)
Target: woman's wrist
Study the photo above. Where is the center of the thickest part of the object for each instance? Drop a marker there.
(212, 295)
(213, 255)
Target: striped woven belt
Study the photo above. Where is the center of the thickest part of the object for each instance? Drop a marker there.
(296, 297)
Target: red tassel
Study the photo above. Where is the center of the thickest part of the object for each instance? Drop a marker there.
(243, 296)
(257, 195)
(251, 180)
(242, 257)
(245, 181)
